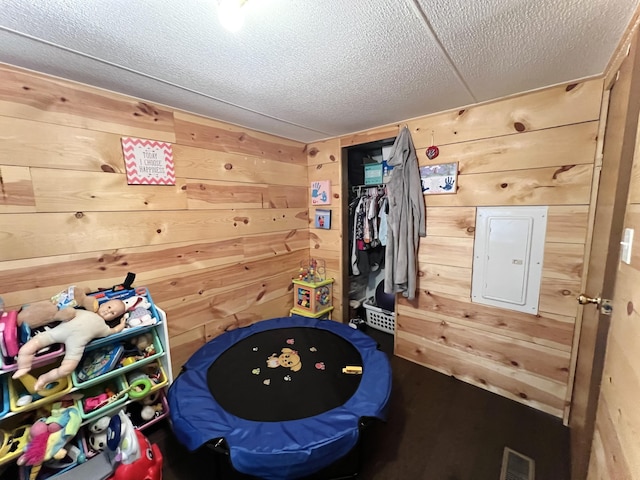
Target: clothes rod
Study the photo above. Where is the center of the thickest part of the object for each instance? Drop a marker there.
(381, 187)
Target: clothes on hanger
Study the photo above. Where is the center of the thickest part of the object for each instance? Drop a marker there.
(365, 224)
(406, 220)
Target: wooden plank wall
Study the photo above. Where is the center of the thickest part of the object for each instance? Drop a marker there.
(533, 149)
(324, 164)
(217, 250)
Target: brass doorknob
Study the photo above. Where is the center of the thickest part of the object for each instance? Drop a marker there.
(584, 300)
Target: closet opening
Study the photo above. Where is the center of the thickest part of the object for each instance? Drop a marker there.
(364, 241)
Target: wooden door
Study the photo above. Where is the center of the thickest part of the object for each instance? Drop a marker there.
(615, 450)
(614, 174)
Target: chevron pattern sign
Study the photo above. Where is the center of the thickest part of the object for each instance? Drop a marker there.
(148, 162)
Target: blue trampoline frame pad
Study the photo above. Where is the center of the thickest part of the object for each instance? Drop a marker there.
(286, 449)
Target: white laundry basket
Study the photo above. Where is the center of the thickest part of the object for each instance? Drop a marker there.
(378, 318)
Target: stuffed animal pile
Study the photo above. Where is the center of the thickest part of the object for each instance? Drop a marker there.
(61, 307)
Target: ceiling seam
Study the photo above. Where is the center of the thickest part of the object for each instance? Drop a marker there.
(423, 16)
(151, 77)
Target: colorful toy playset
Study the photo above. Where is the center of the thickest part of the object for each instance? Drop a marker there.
(312, 271)
(42, 377)
(312, 291)
(109, 372)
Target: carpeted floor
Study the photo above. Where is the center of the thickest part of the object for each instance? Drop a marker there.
(438, 429)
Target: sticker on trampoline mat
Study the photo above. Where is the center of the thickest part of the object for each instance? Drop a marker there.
(313, 349)
(288, 359)
(290, 341)
(320, 365)
(267, 381)
(255, 349)
(256, 371)
(287, 378)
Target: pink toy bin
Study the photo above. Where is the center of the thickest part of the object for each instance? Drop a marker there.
(22, 335)
(161, 407)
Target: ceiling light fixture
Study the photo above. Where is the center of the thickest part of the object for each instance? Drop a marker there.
(231, 13)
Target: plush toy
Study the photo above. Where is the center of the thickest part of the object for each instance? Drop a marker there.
(138, 311)
(48, 437)
(99, 425)
(74, 334)
(151, 406)
(144, 344)
(149, 411)
(98, 433)
(60, 307)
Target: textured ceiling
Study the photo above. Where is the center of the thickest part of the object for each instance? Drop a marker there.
(309, 70)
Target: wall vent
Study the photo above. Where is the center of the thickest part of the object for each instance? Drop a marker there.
(516, 466)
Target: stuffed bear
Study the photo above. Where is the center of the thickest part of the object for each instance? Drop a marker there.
(144, 344)
(61, 307)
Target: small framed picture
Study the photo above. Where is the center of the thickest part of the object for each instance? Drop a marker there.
(438, 179)
(323, 219)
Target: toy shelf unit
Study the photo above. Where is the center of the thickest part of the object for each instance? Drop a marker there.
(313, 299)
(129, 369)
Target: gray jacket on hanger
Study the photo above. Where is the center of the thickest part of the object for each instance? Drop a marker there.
(406, 221)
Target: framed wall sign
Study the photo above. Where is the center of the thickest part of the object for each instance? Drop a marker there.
(442, 178)
(148, 162)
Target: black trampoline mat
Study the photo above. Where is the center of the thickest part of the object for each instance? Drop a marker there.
(284, 374)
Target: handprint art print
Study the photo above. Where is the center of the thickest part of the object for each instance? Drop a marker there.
(441, 178)
(321, 192)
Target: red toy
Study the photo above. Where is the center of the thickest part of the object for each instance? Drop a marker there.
(147, 467)
(135, 457)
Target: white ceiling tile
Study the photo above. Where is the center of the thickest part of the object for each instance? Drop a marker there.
(503, 47)
(307, 69)
(81, 69)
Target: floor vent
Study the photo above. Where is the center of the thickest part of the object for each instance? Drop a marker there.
(516, 466)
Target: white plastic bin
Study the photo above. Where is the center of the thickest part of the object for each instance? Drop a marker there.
(378, 318)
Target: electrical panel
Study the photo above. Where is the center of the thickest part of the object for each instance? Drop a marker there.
(508, 257)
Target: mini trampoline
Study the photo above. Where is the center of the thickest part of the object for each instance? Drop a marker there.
(276, 395)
